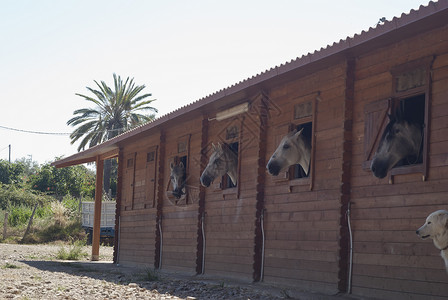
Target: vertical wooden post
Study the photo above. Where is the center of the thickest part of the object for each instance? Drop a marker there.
(97, 210)
(160, 192)
(262, 100)
(200, 247)
(118, 205)
(344, 280)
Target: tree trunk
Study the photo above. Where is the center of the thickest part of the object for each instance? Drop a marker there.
(30, 222)
(107, 174)
(5, 225)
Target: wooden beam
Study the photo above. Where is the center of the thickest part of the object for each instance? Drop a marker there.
(111, 154)
(73, 162)
(97, 209)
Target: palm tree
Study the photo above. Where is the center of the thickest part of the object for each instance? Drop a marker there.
(115, 112)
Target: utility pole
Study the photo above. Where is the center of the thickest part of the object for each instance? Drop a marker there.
(9, 153)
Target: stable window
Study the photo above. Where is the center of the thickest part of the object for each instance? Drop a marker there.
(303, 117)
(297, 171)
(230, 137)
(226, 182)
(182, 152)
(411, 88)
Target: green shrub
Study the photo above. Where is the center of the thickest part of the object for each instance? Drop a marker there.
(53, 232)
(151, 275)
(75, 251)
(19, 215)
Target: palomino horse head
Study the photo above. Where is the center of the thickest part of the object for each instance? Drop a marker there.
(222, 161)
(177, 177)
(293, 149)
(400, 140)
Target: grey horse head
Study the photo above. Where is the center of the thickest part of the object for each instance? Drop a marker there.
(401, 139)
(177, 177)
(222, 161)
(293, 149)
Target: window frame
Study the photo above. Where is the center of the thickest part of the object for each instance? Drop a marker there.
(183, 150)
(297, 120)
(231, 139)
(388, 106)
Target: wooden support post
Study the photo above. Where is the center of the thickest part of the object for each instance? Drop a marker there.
(97, 211)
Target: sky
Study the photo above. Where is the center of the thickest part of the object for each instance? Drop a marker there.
(181, 51)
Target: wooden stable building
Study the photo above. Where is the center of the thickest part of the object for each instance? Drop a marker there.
(293, 230)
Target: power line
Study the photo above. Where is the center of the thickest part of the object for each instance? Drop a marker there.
(34, 132)
(4, 148)
(53, 133)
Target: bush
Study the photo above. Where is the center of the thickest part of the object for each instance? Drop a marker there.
(19, 215)
(75, 251)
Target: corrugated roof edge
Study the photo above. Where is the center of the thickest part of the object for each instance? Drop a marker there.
(329, 50)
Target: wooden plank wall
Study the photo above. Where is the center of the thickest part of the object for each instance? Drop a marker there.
(137, 214)
(179, 220)
(302, 225)
(390, 261)
(303, 217)
(229, 217)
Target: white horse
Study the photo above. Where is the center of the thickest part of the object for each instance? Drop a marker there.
(294, 149)
(177, 177)
(222, 161)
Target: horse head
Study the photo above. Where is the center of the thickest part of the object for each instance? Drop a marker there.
(401, 139)
(177, 177)
(222, 161)
(293, 149)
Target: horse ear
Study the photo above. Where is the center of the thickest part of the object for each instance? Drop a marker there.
(181, 164)
(298, 133)
(214, 147)
(399, 114)
(171, 166)
(219, 146)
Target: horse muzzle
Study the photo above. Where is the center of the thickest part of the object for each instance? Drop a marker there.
(378, 169)
(206, 180)
(273, 168)
(177, 193)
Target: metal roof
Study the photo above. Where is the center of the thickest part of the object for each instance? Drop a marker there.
(434, 15)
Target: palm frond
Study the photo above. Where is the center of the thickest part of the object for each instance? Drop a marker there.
(116, 111)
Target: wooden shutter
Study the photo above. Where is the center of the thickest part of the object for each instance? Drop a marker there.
(129, 181)
(150, 177)
(375, 119)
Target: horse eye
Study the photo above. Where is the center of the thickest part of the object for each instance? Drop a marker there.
(286, 146)
(429, 223)
(217, 161)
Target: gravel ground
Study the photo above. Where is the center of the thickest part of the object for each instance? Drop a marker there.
(33, 272)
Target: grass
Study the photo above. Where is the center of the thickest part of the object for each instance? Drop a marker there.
(151, 275)
(75, 251)
(10, 266)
